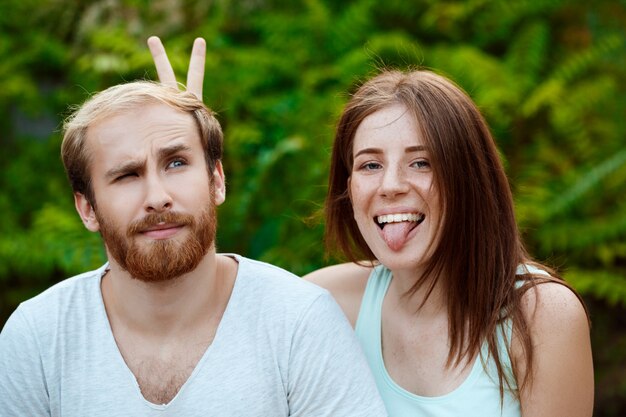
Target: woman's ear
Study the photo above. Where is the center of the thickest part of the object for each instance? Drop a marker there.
(86, 212)
(349, 182)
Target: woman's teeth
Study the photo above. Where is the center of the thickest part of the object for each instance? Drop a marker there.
(394, 218)
(401, 217)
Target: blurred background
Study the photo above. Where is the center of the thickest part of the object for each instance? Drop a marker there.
(549, 76)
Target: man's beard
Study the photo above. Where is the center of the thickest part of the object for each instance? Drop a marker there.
(160, 260)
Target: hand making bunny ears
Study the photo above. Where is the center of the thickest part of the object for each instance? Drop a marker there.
(195, 73)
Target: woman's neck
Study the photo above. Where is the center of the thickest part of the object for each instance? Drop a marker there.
(428, 298)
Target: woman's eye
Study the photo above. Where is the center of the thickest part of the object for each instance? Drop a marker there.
(370, 166)
(421, 164)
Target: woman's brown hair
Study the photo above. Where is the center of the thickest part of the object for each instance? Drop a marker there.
(478, 248)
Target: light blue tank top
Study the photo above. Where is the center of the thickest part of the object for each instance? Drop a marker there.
(477, 396)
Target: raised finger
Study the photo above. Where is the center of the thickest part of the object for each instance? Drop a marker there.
(161, 62)
(195, 74)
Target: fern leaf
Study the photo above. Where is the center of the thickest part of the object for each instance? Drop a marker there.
(586, 184)
(605, 285)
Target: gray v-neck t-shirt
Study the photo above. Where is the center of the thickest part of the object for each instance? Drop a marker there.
(282, 348)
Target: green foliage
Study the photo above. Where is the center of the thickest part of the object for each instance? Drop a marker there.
(548, 75)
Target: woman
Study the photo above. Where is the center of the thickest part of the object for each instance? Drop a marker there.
(452, 314)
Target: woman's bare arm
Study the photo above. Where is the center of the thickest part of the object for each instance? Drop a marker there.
(563, 381)
(346, 282)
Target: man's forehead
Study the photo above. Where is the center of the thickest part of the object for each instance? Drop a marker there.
(150, 121)
(151, 112)
(134, 134)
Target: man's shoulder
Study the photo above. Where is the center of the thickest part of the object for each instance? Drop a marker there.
(274, 287)
(274, 277)
(66, 293)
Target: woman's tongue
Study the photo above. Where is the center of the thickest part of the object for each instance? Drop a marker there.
(395, 234)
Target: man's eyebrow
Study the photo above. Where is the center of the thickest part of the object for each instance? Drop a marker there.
(138, 166)
(168, 151)
(125, 168)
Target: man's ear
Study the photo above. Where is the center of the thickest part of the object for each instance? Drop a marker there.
(86, 212)
(219, 183)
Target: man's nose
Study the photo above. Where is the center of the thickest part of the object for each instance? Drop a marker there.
(158, 197)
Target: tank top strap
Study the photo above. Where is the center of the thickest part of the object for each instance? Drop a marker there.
(368, 320)
(368, 324)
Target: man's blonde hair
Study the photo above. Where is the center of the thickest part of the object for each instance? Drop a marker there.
(120, 99)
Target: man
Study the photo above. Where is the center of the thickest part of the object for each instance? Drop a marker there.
(168, 326)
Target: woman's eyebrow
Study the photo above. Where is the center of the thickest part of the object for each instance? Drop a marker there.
(377, 151)
(417, 148)
(368, 151)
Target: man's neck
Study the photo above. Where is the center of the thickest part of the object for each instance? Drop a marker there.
(170, 308)
(163, 329)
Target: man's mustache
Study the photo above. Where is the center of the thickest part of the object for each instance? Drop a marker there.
(153, 219)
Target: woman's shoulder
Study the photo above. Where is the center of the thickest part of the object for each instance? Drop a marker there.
(562, 361)
(346, 282)
(550, 301)
(547, 298)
